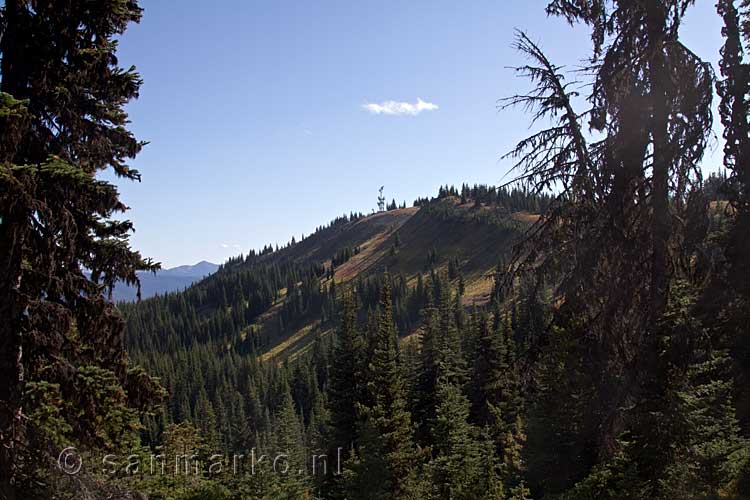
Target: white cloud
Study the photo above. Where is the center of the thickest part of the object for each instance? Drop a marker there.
(227, 245)
(224, 245)
(399, 108)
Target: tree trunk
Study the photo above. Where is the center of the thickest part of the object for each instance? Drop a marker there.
(661, 219)
(11, 354)
(12, 235)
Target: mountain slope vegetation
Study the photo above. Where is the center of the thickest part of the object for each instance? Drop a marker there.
(506, 344)
(248, 306)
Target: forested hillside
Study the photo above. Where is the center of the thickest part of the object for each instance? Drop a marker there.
(229, 348)
(276, 304)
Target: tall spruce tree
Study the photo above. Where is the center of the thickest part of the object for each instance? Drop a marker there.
(289, 454)
(734, 109)
(62, 122)
(489, 371)
(651, 101)
(424, 401)
(346, 378)
(458, 470)
(728, 299)
(388, 424)
(440, 354)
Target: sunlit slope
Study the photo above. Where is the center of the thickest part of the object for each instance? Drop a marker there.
(322, 246)
(245, 308)
(407, 242)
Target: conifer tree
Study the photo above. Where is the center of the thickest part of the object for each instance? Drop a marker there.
(712, 435)
(440, 356)
(424, 401)
(346, 378)
(290, 454)
(182, 455)
(733, 110)
(62, 122)
(512, 466)
(387, 427)
(489, 371)
(206, 420)
(651, 99)
(458, 470)
(692, 427)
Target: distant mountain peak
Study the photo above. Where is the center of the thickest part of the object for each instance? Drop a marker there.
(199, 270)
(165, 280)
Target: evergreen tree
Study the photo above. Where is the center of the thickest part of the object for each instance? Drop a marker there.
(440, 356)
(712, 434)
(387, 428)
(488, 372)
(733, 108)
(512, 466)
(642, 84)
(290, 454)
(346, 378)
(206, 421)
(459, 469)
(62, 99)
(427, 371)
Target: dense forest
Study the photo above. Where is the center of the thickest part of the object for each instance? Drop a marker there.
(580, 333)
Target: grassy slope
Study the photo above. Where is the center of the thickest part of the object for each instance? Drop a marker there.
(477, 236)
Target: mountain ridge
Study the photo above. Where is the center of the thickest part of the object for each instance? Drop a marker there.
(164, 281)
(246, 306)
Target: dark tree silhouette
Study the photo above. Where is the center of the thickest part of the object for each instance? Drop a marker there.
(61, 122)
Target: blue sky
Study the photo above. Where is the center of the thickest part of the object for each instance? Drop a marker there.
(257, 116)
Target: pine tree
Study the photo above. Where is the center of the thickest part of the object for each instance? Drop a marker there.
(289, 450)
(459, 469)
(346, 378)
(712, 438)
(440, 356)
(512, 466)
(62, 99)
(424, 401)
(652, 138)
(488, 371)
(451, 364)
(206, 420)
(733, 108)
(387, 428)
(559, 442)
(178, 467)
